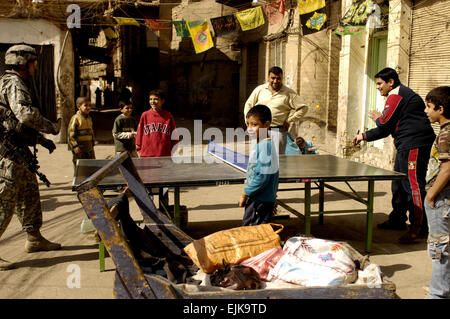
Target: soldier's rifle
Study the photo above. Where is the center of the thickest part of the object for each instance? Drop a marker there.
(16, 150)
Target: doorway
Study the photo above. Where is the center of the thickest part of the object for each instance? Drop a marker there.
(376, 62)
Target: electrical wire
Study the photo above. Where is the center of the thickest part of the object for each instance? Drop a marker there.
(92, 9)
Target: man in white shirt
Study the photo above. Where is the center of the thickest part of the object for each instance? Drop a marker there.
(286, 106)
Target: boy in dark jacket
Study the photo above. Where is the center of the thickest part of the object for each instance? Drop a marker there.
(403, 117)
(124, 130)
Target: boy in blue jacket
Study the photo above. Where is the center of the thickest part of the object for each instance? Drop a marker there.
(262, 171)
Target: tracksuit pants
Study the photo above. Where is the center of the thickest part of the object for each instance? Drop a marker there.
(257, 213)
(409, 194)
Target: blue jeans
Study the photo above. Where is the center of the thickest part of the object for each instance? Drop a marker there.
(438, 240)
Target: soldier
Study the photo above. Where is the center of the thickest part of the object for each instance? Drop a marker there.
(19, 190)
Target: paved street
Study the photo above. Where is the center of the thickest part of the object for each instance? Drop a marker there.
(46, 274)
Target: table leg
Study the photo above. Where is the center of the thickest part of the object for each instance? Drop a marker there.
(321, 201)
(307, 208)
(101, 255)
(176, 214)
(369, 221)
(163, 198)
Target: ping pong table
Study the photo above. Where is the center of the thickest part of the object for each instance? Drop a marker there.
(210, 170)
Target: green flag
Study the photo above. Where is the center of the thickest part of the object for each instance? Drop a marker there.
(181, 28)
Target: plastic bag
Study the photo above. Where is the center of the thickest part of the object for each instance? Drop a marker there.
(232, 245)
(291, 147)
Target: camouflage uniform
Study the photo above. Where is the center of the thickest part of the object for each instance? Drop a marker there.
(19, 190)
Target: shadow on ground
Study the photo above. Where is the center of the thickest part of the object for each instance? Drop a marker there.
(51, 261)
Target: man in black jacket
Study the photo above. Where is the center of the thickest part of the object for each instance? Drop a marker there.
(404, 118)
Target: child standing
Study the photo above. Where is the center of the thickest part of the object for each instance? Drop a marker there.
(262, 171)
(124, 130)
(156, 126)
(437, 200)
(80, 132)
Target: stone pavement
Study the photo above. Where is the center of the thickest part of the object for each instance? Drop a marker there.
(48, 274)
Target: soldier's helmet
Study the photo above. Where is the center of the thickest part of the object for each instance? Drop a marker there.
(20, 54)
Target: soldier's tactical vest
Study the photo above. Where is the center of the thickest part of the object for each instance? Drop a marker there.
(8, 120)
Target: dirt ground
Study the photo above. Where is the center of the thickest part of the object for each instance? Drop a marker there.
(47, 275)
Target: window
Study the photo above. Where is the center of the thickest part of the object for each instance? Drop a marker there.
(277, 53)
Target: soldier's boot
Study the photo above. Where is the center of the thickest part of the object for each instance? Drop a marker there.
(36, 242)
(6, 265)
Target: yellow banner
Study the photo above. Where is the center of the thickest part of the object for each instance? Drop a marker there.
(307, 6)
(201, 37)
(250, 18)
(126, 21)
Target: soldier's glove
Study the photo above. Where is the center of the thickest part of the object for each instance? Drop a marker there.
(48, 144)
(56, 127)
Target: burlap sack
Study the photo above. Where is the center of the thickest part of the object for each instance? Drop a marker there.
(232, 245)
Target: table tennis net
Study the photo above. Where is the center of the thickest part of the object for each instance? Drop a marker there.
(235, 159)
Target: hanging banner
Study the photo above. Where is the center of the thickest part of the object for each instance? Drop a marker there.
(274, 11)
(181, 29)
(156, 25)
(307, 6)
(354, 20)
(314, 21)
(250, 18)
(201, 37)
(126, 21)
(349, 29)
(224, 25)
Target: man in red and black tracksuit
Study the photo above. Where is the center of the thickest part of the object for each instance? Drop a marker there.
(404, 118)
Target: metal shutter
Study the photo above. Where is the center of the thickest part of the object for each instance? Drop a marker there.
(430, 46)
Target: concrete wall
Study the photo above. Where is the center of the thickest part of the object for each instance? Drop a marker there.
(318, 81)
(353, 74)
(313, 85)
(41, 32)
(311, 68)
(205, 85)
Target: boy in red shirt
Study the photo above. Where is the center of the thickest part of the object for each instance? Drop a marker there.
(156, 134)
